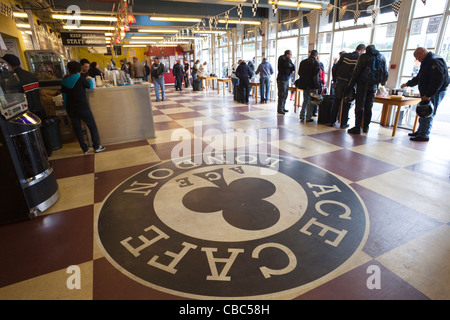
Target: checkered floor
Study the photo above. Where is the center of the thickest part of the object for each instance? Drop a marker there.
(404, 185)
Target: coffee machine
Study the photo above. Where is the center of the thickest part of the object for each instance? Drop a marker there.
(28, 184)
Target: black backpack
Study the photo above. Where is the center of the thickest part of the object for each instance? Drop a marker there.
(376, 71)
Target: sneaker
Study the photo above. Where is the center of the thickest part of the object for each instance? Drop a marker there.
(310, 120)
(99, 149)
(285, 110)
(344, 126)
(413, 134)
(354, 130)
(281, 112)
(86, 151)
(158, 100)
(366, 130)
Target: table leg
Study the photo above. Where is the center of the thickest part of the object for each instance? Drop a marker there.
(256, 94)
(229, 86)
(340, 112)
(397, 116)
(415, 123)
(385, 115)
(295, 101)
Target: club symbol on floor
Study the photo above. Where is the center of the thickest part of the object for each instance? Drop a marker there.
(243, 202)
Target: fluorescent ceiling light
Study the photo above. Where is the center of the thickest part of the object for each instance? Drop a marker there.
(168, 42)
(20, 15)
(304, 5)
(134, 45)
(189, 38)
(23, 25)
(158, 30)
(210, 31)
(108, 34)
(240, 22)
(176, 19)
(86, 18)
(146, 38)
(88, 28)
(165, 45)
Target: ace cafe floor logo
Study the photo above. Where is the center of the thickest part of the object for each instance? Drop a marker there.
(220, 230)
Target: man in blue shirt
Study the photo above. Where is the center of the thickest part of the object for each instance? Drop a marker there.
(265, 70)
(285, 69)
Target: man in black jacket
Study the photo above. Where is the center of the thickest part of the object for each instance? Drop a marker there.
(178, 72)
(244, 74)
(309, 81)
(158, 70)
(370, 71)
(433, 81)
(342, 73)
(285, 69)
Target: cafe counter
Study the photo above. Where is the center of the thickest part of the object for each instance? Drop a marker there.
(122, 113)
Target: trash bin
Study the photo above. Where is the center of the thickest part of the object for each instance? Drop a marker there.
(52, 132)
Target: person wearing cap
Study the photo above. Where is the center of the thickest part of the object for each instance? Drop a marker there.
(29, 85)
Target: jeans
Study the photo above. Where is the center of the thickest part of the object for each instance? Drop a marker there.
(426, 123)
(306, 106)
(88, 119)
(363, 105)
(186, 80)
(159, 82)
(194, 76)
(341, 88)
(264, 84)
(283, 87)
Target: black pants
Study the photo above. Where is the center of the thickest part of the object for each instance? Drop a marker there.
(363, 105)
(88, 119)
(178, 81)
(283, 91)
(244, 86)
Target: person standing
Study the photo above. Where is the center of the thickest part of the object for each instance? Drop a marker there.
(309, 81)
(433, 81)
(285, 70)
(187, 69)
(265, 71)
(85, 65)
(235, 81)
(178, 72)
(73, 89)
(137, 69)
(195, 70)
(158, 78)
(29, 85)
(370, 71)
(94, 70)
(147, 71)
(244, 74)
(342, 73)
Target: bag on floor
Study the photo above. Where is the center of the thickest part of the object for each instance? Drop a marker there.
(238, 97)
(325, 109)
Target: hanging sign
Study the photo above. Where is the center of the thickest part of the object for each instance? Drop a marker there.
(78, 39)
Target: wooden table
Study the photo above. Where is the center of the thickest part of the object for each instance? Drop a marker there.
(297, 97)
(388, 102)
(206, 81)
(223, 84)
(255, 86)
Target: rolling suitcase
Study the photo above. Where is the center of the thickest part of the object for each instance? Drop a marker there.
(325, 109)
